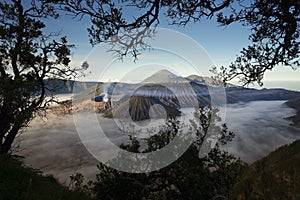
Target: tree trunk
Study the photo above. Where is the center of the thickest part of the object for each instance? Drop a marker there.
(5, 146)
(4, 119)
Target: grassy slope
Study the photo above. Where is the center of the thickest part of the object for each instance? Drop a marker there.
(276, 176)
(18, 182)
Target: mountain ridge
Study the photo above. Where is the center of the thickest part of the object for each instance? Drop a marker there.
(295, 104)
(164, 76)
(278, 172)
(177, 92)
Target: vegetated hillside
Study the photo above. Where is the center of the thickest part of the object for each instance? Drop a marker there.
(275, 177)
(138, 108)
(295, 104)
(19, 182)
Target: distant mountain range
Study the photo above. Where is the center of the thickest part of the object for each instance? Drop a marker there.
(60, 86)
(156, 85)
(169, 90)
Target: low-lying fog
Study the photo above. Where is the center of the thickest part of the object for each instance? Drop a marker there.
(260, 127)
(54, 147)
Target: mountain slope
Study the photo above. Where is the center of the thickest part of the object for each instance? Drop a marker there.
(175, 91)
(295, 104)
(164, 76)
(61, 86)
(19, 182)
(206, 81)
(138, 108)
(238, 94)
(276, 176)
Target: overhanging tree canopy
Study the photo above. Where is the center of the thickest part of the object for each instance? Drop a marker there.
(274, 26)
(27, 58)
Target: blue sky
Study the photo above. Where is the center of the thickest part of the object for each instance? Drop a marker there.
(221, 44)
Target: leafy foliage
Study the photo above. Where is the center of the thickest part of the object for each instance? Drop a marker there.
(189, 177)
(274, 35)
(108, 19)
(19, 182)
(274, 26)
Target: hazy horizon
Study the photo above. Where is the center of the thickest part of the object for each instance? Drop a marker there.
(289, 85)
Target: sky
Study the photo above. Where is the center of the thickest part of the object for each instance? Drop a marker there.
(218, 45)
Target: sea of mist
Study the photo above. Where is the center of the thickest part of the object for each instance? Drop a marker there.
(260, 127)
(53, 145)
